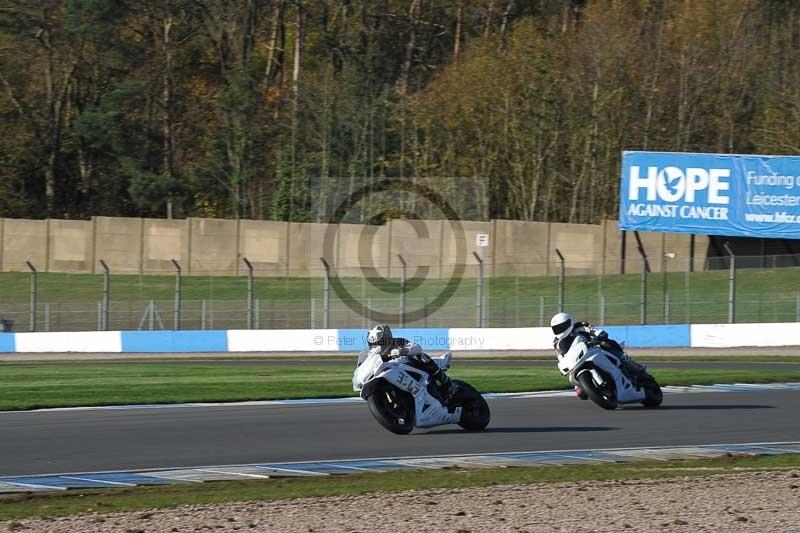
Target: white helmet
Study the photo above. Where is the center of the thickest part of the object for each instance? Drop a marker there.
(562, 325)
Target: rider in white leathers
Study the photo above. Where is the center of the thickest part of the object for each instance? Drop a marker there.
(570, 335)
(393, 347)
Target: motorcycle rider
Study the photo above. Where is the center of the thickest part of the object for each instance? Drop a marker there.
(393, 347)
(568, 332)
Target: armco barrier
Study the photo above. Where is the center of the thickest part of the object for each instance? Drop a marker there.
(352, 340)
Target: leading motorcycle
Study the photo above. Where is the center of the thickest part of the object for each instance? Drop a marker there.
(402, 396)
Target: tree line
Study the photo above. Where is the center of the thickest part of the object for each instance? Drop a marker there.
(260, 108)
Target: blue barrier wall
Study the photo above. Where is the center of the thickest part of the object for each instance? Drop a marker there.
(434, 339)
(672, 336)
(7, 343)
(174, 341)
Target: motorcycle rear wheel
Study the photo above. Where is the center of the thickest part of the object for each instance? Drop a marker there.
(653, 395)
(392, 408)
(475, 414)
(605, 401)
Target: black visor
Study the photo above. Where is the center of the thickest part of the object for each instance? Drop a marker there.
(561, 328)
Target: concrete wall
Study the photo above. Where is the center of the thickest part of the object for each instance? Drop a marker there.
(70, 246)
(520, 248)
(162, 241)
(264, 243)
(217, 247)
(118, 242)
(306, 246)
(23, 240)
(214, 246)
(364, 246)
(580, 244)
(419, 242)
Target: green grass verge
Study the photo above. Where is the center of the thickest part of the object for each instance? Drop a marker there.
(19, 506)
(29, 386)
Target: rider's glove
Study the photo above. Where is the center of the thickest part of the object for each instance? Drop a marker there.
(394, 353)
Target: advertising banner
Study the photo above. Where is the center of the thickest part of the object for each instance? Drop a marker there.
(714, 194)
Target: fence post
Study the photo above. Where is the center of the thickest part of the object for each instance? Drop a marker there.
(326, 294)
(798, 306)
(33, 294)
(47, 317)
(402, 291)
(177, 315)
(106, 290)
(203, 315)
(643, 296)
(313, 317)
(560, 282)
(731, 285)
(602, 309)
(480, 290)
(257, 310)
(249, 293)
(541, 311)
(665, 284)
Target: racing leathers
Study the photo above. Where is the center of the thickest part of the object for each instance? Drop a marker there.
(584, 336)
(400, 347)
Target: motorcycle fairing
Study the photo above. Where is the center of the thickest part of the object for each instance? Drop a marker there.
(595, 359)
(429, 411)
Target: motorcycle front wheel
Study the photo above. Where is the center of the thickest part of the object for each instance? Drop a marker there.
(392, 408)
(475, 414)
(603, 399)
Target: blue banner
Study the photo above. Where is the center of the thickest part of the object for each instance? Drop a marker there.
(714, 194)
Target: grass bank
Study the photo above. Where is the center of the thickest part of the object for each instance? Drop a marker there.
(38, 385)
(763, 295)
(18, 506)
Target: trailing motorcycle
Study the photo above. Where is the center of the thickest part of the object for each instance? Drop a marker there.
(601, 375)
(402, 397)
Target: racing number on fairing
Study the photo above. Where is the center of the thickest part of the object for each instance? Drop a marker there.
(409, 384)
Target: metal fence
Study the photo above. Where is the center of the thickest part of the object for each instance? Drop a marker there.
(726, 289)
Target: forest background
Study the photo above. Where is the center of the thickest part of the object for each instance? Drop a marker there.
(256, 108)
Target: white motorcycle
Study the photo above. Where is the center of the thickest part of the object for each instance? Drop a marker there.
(402, 397)
(599, 373)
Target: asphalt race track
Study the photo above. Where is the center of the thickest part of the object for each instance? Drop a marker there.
(48, 442)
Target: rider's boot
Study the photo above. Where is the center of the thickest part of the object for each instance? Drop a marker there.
(636, 370)
(446, 386)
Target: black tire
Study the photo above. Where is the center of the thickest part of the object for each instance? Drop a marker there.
(605, 400)
(653, 394)
(392, 408)
(475, 414)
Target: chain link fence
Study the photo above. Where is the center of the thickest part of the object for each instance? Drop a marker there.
(756, 289)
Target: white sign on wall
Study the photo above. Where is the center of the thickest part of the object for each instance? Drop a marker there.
(482, 240)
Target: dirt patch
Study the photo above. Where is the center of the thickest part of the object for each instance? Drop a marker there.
(740, 502)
